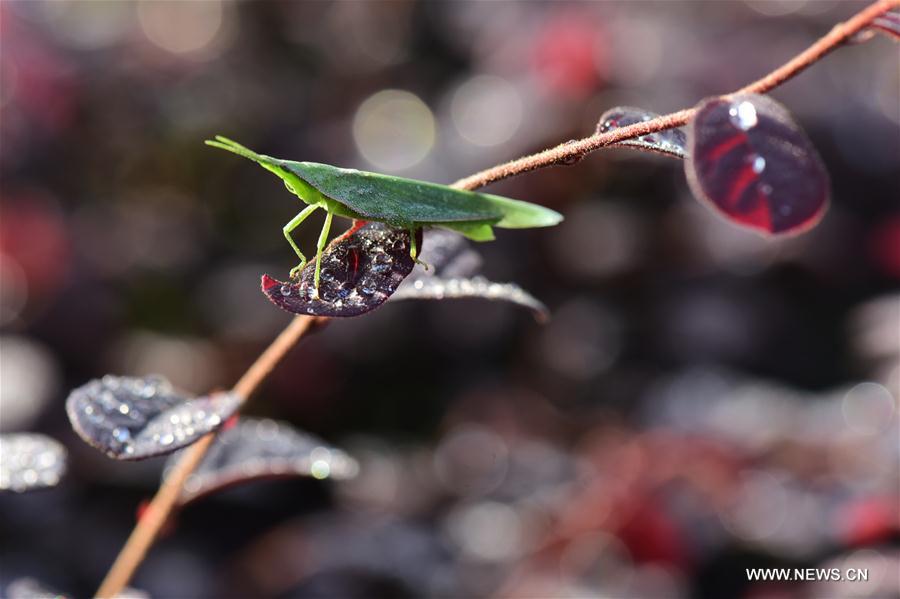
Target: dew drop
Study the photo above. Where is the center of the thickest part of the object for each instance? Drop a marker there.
(759, 164)
(121, 434)
(285, 290)
(743, 115)
(320, 469)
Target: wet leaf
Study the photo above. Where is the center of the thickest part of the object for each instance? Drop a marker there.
(437, 288)
(451, 276)
(447, 255)
(888, 23)
(671, 142)
(137, 418)
(30, 461)
(360, 272)
(263, 449)
(30, 588)
(755, 166)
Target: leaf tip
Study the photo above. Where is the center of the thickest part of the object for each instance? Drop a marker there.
(268, 283)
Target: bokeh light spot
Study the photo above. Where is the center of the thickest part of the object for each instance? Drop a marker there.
(181, 27)
(393, 129)
(868, 408)
(88, 25)
(486, 110)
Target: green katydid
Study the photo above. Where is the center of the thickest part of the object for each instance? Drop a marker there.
(398, 202)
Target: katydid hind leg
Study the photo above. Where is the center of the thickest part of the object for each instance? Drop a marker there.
(323, 239)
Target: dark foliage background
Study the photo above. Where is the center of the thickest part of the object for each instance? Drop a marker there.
(702, 401)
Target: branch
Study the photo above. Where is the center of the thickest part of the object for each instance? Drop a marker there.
(572, 151)
(148, 527)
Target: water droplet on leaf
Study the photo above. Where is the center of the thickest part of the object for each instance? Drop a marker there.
(257, 449)
(454, 263)
(158, 419)
(743, 115)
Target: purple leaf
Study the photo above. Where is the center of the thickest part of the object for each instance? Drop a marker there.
(262, 449)
(438, 288)
(137, 418)
(448, 254)
(755, 166)
(29, 588)
(671, 142)
(30, 461)
(888, 23)
(360, 272)
(452, 263)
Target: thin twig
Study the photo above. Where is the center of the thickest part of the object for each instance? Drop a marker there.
(572, 151)
(148, 527)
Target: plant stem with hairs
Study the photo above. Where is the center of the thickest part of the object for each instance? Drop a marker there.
(153, 519)
(572, 151)
(148, 527)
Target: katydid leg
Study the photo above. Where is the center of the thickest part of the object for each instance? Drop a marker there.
(414, 249)
(295, 222)
(323, 238)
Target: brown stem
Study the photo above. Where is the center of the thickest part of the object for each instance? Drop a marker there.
(158, 511)
(572, 151)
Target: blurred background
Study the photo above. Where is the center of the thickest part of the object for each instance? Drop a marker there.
(702, 400)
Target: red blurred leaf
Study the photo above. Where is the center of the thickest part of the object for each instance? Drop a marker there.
(755, 166)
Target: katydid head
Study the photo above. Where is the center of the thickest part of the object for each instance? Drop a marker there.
(294, 184)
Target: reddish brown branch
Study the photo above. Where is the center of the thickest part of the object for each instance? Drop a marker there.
(148, 527)
(573, 151)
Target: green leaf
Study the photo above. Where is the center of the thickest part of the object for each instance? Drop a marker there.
(397, 201)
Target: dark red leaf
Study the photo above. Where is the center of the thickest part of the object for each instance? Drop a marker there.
(670, 142)
(360, 272)
(753, 164)
(136, 418)
(30, 588)
(889, 24)
(262, 449)
(452, 275)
